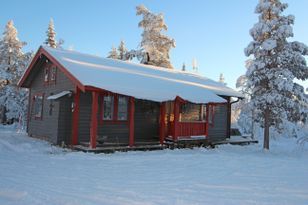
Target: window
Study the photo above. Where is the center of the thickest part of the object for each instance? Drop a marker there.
(191, 113)
(46, 75)
(122, 108)
(108, 107)
(38, 106)
(203, 113)
(53, 74)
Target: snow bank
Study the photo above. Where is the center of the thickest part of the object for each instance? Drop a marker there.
(32, 172)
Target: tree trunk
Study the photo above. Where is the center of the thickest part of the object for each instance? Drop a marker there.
(266, 128)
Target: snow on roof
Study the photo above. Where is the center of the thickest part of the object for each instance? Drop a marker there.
(59, 95)
(140, 81)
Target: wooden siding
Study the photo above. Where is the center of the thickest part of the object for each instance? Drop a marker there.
(48, 126)
(219, 129)
(65, 121)
(115, 132)
(85, 108)
(146, 121)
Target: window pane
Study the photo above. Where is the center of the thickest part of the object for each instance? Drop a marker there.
(190, 112)
(53, 74)
(203, 112)
(122, 108)
(46, 75)
(38, 106)
(108, 108)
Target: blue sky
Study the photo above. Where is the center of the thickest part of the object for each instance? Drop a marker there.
(215, 32)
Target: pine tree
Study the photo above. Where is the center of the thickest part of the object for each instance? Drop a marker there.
(221, 78)
(13, 63)
(155, 45)
(195, 65)
(113, 53)
(122, 51)
(51, 35)
(183, 67)
(275, 64)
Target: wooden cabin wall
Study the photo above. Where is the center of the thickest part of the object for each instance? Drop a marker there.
(146, 121)
(115, 131)
(65, 121)
(219, 129)
(85, 108)
(47, 127)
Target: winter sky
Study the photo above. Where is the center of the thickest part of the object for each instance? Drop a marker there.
(215, 32)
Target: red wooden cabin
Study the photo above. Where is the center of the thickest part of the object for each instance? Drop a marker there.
(76, 98)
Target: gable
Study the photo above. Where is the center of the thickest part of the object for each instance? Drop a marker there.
(41, 60)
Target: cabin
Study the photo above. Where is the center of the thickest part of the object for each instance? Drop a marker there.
(80, 99)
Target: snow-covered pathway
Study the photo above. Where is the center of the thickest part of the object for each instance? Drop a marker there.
(33, 172)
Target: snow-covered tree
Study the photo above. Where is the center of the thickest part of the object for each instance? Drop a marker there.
(51, 35)
(275, 64)
(113, 53)
(13, 63)
(122, 51)
(155, 44)
(195, 65)
(222, 79)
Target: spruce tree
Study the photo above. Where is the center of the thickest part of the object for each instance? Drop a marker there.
(183, 67)
(155, 45)
(113, 53)
(275, 64)
(122, 51)
(13, 63)
(51, 35)
(221, 79)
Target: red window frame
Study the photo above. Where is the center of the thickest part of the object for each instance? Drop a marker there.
(50, 74)
(53, 74)
(102, 108)
(33, 106)
(46, 75)
(115, 109)
(127, 104)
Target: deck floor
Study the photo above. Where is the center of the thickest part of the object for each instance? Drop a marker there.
(169, 143)
(112, 149)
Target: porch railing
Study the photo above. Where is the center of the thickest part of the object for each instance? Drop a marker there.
(187, 129)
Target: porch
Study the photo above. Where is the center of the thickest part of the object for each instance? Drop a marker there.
(176, 120)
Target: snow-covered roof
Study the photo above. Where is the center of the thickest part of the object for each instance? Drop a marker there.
(140, 81)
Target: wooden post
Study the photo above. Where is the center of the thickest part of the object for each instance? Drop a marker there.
(30, 101)
(207, 120)
(162, 124)
(131, 121)
(75, 117)
(229, 117)
(93, 126)
(176, 111)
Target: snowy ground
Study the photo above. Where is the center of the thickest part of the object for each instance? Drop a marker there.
(33, 172)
